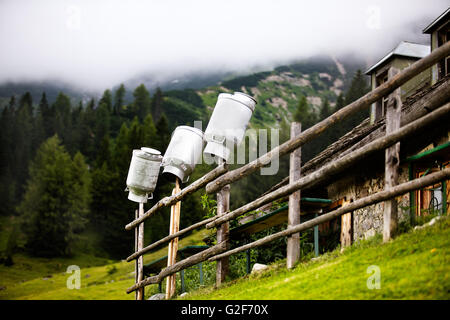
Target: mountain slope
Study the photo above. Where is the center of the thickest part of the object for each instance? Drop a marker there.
(278, 91)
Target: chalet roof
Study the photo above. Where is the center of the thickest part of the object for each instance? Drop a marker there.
(364, 133)
(404, 49)
(444, 17)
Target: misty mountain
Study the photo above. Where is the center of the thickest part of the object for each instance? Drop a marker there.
(278, 91)
(191, 97)
(52, 88)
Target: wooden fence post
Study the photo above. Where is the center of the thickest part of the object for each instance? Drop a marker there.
(346, 227)
(173, 245)
(136, 263)
(392, 160)
(140, 260)
(223, 206)
(316, 235)
(295, 163)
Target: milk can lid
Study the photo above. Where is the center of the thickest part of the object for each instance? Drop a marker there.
(241, 97)
(151, 150)
(148, 153)
(193, 129)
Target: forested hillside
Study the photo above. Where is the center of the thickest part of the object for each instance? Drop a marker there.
(63, 164)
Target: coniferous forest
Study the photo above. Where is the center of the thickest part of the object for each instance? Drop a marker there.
(64, 163)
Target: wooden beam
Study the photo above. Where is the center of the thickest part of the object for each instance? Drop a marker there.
(183, 264)
(423, 106)
(392, 160)
(173, 245)
(307, 135)
(136, 265)
(140, 245)
(346, 227)
(339, 165)
(360, 203)
(417, 109)
(295, 163)
(223, 233)
(168, 238)
(168, 201)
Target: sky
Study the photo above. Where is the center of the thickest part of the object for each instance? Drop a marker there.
(99, 44)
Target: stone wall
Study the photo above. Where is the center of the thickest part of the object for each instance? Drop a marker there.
(368, 221)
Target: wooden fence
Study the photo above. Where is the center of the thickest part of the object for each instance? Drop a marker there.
(219, 179)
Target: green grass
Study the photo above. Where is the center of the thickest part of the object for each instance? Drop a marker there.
(102, 279)
(415, 265)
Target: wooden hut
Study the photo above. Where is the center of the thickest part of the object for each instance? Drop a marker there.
(400, 57)
(439, 30)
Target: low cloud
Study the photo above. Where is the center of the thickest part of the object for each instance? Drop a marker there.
(98, 44)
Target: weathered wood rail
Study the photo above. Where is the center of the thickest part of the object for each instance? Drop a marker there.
(430, 110)
(184, 264)
(307, 135)
(336, 166)
(360, 203)
(419, 107)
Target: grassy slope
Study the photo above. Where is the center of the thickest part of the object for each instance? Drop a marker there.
(414, 266)
(25, 279)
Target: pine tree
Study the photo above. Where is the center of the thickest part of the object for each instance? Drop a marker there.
(61, 112)
(337, 131)
(122, 151)
(162, 134)
(44, 112)
(87, 131)
(56, 201)
(357, 89)
(102, 124)
(148, 131)
(156, 106)
(80, 197)
(142, 102)
(7, 178)
(26, 102)
(104, 152)
(111, 209)
(135, 135)
(119, 99)
(106, 100)
(303, 114)
(325, 110)
(22, 148)
(340, 102)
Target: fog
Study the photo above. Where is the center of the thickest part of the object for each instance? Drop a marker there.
(98, 44)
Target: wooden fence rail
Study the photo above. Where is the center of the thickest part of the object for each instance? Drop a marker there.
(307, 135)
(154, 245)
(338, 165)
(183, 264)
(421, 107)
(217, 252)
(398, 190)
